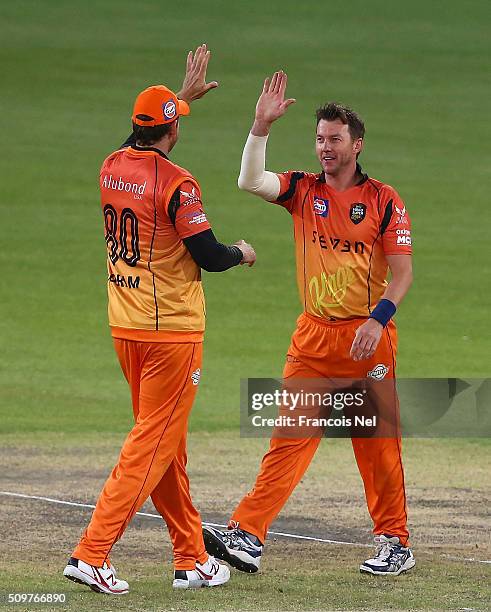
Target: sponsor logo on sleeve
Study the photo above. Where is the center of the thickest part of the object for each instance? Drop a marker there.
(357, 212)
(321, 206)
(404, 237)
(379, 371)
(401, 219)
(189, 197)
(169, 109)
(197, 218)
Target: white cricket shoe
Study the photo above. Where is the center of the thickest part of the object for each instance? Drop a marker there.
(391, 559)
(209, 574)
(100, 579)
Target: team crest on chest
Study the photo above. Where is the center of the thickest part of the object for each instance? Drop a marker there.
(321, 206)
(357, 212)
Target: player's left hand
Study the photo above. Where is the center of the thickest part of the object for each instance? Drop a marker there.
(194, 85)
(366, 340)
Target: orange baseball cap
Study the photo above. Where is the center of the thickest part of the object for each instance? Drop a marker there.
(158, 105)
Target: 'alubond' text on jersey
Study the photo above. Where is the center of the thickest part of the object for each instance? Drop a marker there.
(120, 185)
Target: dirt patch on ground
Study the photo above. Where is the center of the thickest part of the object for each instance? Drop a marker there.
(446, 514)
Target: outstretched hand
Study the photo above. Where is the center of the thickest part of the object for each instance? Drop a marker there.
(271, 104)
(194, 85)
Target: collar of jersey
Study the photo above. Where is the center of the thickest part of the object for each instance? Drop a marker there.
(135, 147)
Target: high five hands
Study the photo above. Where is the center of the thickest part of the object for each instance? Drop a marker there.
(194, 85)
(271, 104)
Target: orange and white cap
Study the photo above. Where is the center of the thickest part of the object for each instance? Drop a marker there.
(158, 105)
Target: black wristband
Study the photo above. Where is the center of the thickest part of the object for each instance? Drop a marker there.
(383, 312)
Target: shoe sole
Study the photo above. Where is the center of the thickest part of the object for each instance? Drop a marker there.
(214, 546)
(75, 575)
(409, 564)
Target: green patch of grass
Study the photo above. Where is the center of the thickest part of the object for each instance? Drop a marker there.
(413, 72)
(314, 577)
(447, 512)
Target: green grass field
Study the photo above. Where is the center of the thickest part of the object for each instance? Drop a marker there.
(415, 71)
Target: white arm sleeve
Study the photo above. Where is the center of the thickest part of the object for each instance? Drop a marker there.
(253, 177)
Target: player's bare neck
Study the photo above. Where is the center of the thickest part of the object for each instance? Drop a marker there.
(163, 145)
(164, 150)
(344, 180)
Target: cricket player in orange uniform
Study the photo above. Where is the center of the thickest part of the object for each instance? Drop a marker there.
(157, 238)
(349, 230)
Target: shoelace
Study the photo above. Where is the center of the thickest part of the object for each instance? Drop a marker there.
(234, 536)
(384, 549)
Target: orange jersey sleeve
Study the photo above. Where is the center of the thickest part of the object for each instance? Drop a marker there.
(396, 239)
(190, 218)
(289, 189)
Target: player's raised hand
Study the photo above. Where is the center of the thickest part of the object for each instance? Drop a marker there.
(248, 253)
(272, 103)
(194, 85)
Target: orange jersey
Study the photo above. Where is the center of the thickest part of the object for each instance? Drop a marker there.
(341, 240)
(150, 204)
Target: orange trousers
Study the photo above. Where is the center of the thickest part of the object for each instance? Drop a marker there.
(321, 350)
(163, 378)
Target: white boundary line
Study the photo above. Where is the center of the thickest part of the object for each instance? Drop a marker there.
(275, 533)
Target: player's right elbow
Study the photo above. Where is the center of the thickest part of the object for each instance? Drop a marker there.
(242, 183)
(245, 184)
